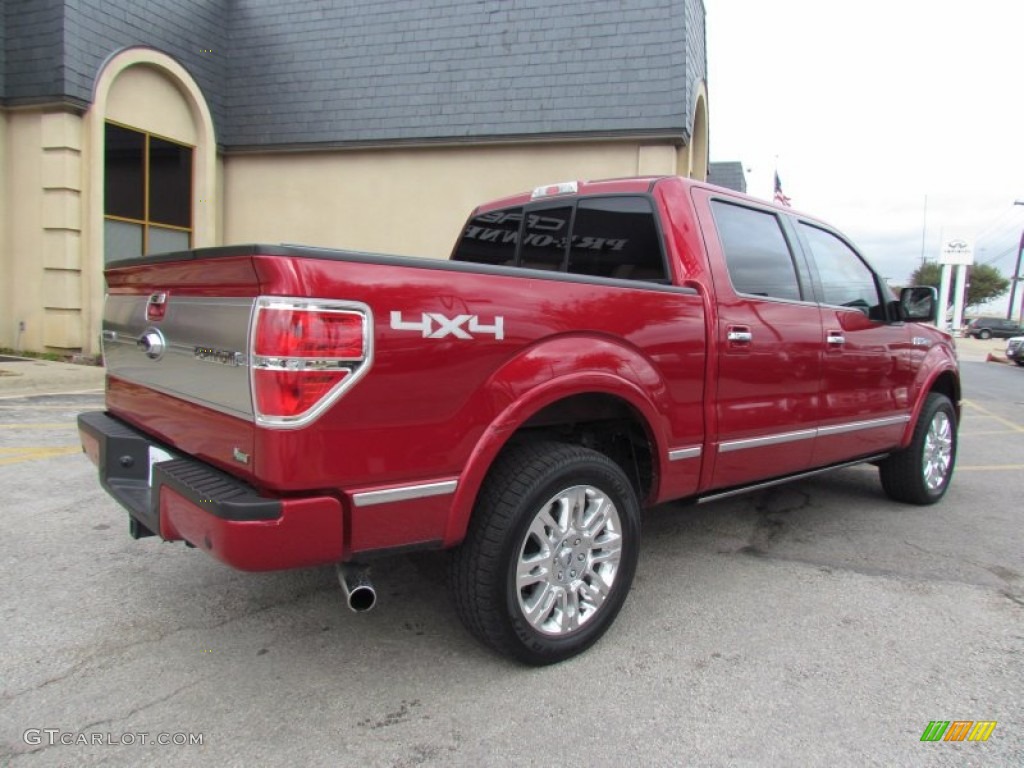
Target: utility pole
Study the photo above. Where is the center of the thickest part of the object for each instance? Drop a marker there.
(1015, 278)
(924, 227)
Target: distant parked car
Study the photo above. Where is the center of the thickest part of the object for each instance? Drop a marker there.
(987, 327)
(1015, 350)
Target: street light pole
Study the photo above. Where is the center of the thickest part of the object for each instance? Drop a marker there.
(1015, 278)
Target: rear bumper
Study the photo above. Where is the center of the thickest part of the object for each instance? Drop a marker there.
(184, 499)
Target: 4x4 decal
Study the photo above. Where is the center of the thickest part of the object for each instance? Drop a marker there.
(433, 325)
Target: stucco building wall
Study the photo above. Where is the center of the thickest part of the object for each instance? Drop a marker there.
(409, 201)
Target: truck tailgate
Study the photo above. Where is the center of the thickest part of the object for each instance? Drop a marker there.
(175, 337)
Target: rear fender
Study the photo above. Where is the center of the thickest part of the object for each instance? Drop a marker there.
(545, 374)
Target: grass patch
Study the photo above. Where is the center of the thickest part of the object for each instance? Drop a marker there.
(56, 357)
(34, 355)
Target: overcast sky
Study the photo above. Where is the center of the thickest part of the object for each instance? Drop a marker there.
(871, 106)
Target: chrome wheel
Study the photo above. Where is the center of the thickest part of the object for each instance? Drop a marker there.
(550, 551)
(938, 451)
(568, 560)
(921, 472)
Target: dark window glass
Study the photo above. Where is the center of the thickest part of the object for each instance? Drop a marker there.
(756, 252)
(123, 169)
(616, 237)
(545, 237)
(149, 181)
(845, 279)
(490, 238)
(170, 183)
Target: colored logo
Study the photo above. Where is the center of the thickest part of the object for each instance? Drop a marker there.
(958, 730)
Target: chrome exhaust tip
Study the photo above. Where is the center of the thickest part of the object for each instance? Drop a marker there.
(355, 583)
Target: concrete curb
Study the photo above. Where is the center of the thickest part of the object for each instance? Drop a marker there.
(24, 377)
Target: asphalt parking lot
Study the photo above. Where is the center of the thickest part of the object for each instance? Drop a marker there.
(814, 624)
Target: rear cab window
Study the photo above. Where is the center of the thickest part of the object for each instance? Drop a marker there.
(544, 238)
(490, 238)
(603, 236)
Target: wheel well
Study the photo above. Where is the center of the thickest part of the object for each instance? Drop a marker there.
(604, 423)
(948, 385)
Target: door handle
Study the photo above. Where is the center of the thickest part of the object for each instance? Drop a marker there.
(835, 338)
(742, 336)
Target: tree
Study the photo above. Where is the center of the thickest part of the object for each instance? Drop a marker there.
(985, 282)
(929, 273)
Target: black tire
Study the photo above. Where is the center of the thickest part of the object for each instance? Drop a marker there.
(1019, 362)
(920, 474)
(528, 480)
(985, 334)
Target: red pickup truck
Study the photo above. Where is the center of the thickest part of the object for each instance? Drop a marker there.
(588, 350)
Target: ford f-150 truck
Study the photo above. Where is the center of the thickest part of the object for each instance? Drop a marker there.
(588, 349)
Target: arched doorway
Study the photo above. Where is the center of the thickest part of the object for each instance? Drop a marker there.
(697, 151)
(151, 159)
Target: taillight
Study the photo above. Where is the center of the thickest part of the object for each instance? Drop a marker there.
(291, 332)
(305, 354)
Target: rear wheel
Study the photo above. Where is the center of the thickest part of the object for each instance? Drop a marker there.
(920, 474)
(550, 553)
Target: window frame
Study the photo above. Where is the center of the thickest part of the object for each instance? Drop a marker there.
(146, 222)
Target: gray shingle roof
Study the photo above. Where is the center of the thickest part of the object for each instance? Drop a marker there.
(54, 49)
(183, 29)
(32, 49)
(3, 47)
(728, 174)
(351, 71)
(407, 69)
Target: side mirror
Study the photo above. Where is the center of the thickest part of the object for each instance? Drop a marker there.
(919, 304)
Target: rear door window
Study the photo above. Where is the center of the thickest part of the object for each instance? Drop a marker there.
(757, 253)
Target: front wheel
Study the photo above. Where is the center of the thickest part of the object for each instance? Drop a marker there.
(985, 334)
(550, 553)
(920, 473)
